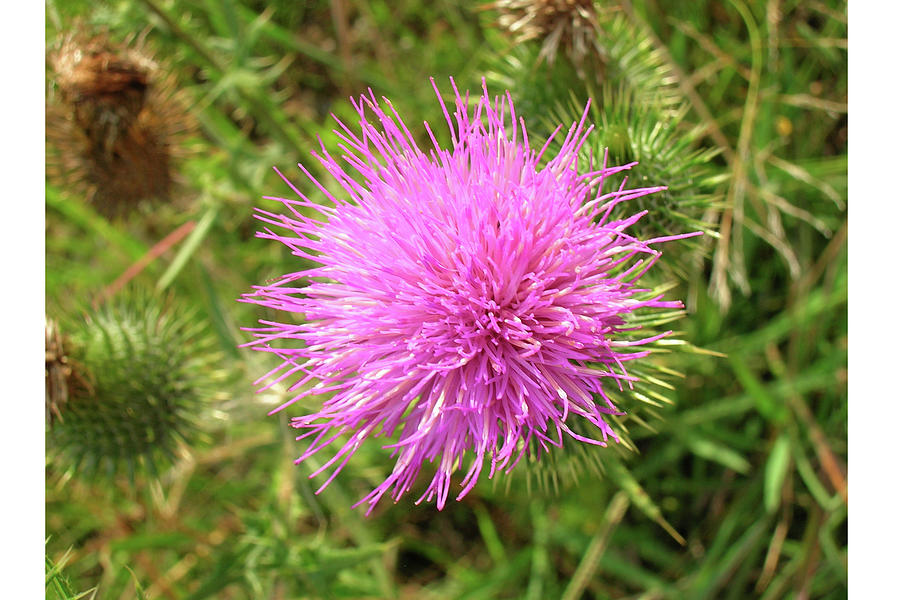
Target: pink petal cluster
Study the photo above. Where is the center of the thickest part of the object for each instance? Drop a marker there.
(468, 302)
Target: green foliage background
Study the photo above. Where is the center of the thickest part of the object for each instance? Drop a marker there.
(746, 466)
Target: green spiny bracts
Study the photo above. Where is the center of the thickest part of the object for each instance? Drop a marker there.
(668, 152)
(145, 372)
(635, 64)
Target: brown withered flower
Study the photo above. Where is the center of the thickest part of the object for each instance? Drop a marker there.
(62, 378)
(570, 25)
(114, 122)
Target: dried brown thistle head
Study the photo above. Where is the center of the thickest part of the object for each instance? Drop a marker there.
(62, 377)
(570, 25)
(114, 122)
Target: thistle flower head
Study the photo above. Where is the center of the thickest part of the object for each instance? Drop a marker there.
(469, 302)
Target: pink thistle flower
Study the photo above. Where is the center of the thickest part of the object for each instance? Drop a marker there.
(467, 300)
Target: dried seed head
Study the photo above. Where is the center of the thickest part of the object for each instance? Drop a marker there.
(56, 371)
(62, 375)
(115, 123)
(567, 24)
(105, 89)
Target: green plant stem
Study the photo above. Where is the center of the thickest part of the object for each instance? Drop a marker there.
(191, 245)
(540, 559)
(591, 560)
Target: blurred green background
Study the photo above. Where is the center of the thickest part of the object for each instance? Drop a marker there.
(737, 488)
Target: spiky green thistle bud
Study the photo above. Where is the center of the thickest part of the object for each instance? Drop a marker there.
(139, 375)
(667, 150)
